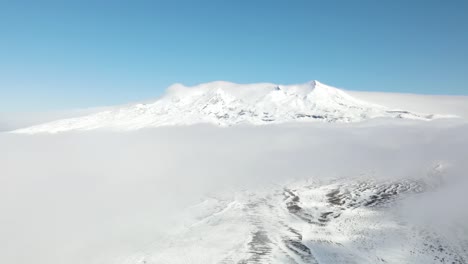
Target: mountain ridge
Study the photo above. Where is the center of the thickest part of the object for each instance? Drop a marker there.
(225, 104)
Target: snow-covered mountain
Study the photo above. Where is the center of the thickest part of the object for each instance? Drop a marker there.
(226, 104)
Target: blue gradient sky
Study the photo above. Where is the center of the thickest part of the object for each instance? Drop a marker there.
(74, 54)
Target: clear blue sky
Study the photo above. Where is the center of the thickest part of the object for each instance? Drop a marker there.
(75, 54)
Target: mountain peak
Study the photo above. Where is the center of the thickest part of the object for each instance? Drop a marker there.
(315, 83)
(226, 104)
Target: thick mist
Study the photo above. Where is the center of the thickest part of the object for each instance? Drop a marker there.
(88, 197)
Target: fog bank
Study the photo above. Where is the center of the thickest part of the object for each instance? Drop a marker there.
(82, 197)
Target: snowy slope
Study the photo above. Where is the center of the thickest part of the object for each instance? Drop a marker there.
(440, 104)
(333, 221)
(226, 104)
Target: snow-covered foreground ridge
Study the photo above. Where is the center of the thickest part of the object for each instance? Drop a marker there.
(328, 221)
(227, 104)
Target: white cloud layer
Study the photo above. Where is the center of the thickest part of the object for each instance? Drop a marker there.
(82, 197)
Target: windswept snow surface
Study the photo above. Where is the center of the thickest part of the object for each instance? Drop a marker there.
(336, 221)
(227, 104)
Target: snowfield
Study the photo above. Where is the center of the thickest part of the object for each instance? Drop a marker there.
(336, 177)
